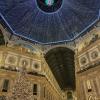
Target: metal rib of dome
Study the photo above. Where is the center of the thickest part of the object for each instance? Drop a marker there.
(25, 19)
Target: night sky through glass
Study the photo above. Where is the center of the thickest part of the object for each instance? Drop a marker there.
(63, 20)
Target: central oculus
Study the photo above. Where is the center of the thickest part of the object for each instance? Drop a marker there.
(49, 6)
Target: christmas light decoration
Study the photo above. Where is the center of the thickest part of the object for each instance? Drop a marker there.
(23, 89)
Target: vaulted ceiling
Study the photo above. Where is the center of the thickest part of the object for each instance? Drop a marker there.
(70, 19)
(61, 62)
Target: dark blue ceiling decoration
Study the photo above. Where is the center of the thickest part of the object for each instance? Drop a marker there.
(27, 19)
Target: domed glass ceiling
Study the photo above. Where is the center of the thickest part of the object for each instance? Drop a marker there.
(49, 21)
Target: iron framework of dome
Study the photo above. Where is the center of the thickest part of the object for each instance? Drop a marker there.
(24, 18)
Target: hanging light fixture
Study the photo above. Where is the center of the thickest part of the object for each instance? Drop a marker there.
(49, 2)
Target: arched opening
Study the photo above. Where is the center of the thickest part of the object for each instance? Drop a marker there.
(61, 62)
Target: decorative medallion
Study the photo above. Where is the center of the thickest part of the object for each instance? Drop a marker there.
(11, 59)
(83, 60)
(94, 54)
(36, 66)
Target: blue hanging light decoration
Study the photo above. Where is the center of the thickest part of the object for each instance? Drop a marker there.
(49, 2)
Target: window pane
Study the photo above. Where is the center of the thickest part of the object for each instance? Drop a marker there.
(5, 85)
(35, 89)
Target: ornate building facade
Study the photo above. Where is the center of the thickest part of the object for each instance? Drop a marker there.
(12, 59)
(16, 53)
(88, 67)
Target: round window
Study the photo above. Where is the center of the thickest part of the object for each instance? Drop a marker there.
(49, 5)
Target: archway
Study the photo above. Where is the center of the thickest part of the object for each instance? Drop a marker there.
(61, 62)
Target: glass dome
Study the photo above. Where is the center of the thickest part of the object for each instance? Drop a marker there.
(49, 21)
